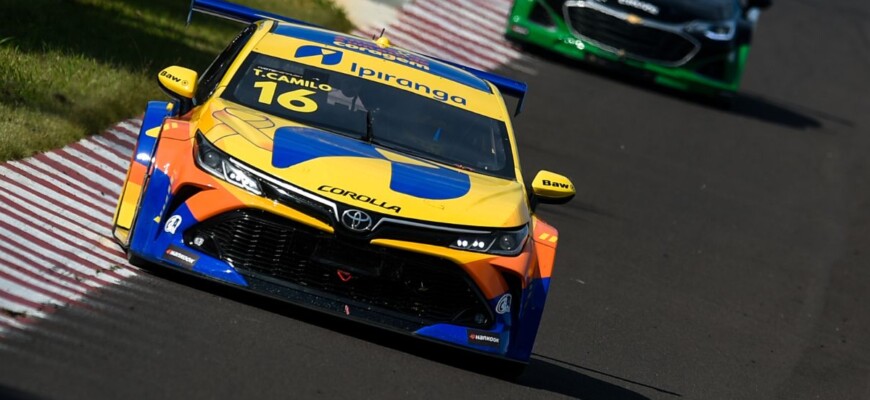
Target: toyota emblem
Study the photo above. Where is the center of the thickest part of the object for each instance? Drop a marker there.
(356, 220)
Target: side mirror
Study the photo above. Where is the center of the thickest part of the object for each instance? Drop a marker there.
(759, 4)
(552, 188)
(180, 84)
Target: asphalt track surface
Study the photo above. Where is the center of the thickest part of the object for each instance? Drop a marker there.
(709, 254)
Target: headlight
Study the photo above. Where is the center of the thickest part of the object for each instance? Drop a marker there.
(723, 31)
(217, 163)
(508, 243)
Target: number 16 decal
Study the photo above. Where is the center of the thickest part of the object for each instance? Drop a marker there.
(294, 100)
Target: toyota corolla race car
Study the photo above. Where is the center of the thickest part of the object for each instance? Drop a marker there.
(694, 45)
(348, 176)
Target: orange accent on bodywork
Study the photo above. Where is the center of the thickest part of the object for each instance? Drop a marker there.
(236, 119)
(177, 130)
(545, 237)
(137, 173)
(522, 265)
(129, 197)
(488, 279)
(175, 155)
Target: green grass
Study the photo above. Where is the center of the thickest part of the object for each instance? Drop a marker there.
(70, 68)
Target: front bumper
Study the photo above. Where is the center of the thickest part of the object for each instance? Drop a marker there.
(281, 252)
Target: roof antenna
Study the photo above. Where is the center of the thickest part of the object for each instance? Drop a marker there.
(382, 40)
(379, 35)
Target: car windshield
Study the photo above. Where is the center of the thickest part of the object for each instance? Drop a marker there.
(409, 123)
(707, 10)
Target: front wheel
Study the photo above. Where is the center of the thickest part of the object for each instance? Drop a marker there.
(137, 261)
(725, 100)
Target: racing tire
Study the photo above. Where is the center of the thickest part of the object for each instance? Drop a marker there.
(725, 100)
(137, 261)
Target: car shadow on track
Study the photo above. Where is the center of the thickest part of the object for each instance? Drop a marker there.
(591, 388)
(9, 393)
(542, 373)
(743, 104)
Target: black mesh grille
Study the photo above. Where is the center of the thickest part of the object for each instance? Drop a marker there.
(635, 40)
(413, 285)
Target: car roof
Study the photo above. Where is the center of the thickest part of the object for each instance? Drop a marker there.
(390, 53)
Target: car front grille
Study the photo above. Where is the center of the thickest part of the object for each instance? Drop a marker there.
(630, 39)
(409, 285)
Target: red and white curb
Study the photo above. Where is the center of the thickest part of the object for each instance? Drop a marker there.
(55, 216)
(469, 32)
(56, 208)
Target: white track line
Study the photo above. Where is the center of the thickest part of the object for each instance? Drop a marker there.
(36, 204)
(16, 307)
(40, 259)
(10, 321)
(25, 293)
(86, 244)
(92, 177)
(120, 163)
(81, 203)
(47, 169)
(42, 284)
(87, 270)
(41, 268)
(29, 172)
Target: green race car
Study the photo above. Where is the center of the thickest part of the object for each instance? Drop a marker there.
(699, 46)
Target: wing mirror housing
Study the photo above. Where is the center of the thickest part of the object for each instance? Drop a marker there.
(552, 188)
(180, 84)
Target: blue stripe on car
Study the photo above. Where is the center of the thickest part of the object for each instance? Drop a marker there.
(296, 145)
(429, 183)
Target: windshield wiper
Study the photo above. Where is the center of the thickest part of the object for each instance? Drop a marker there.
(407, 151)
(369, 136)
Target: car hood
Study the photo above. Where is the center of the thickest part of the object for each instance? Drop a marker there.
(677, 11)
(361, 175)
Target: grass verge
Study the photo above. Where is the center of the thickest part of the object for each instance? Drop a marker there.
(69, 68)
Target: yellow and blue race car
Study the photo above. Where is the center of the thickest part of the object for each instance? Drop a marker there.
(348, 176)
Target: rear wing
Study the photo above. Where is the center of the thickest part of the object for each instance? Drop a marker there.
(237, 12)
(247, 15)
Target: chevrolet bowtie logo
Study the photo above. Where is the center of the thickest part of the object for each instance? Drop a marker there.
(634, 19)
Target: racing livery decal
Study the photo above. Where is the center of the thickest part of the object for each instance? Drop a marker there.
(327, 56)
(339, 173)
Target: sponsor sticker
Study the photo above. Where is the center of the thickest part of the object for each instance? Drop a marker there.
(326, 56)
(360, 197)
(418, 87)
(172, 224)
(483, 338)
(504, 304)
(556, 184)
(390, 54)
(180, 256)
